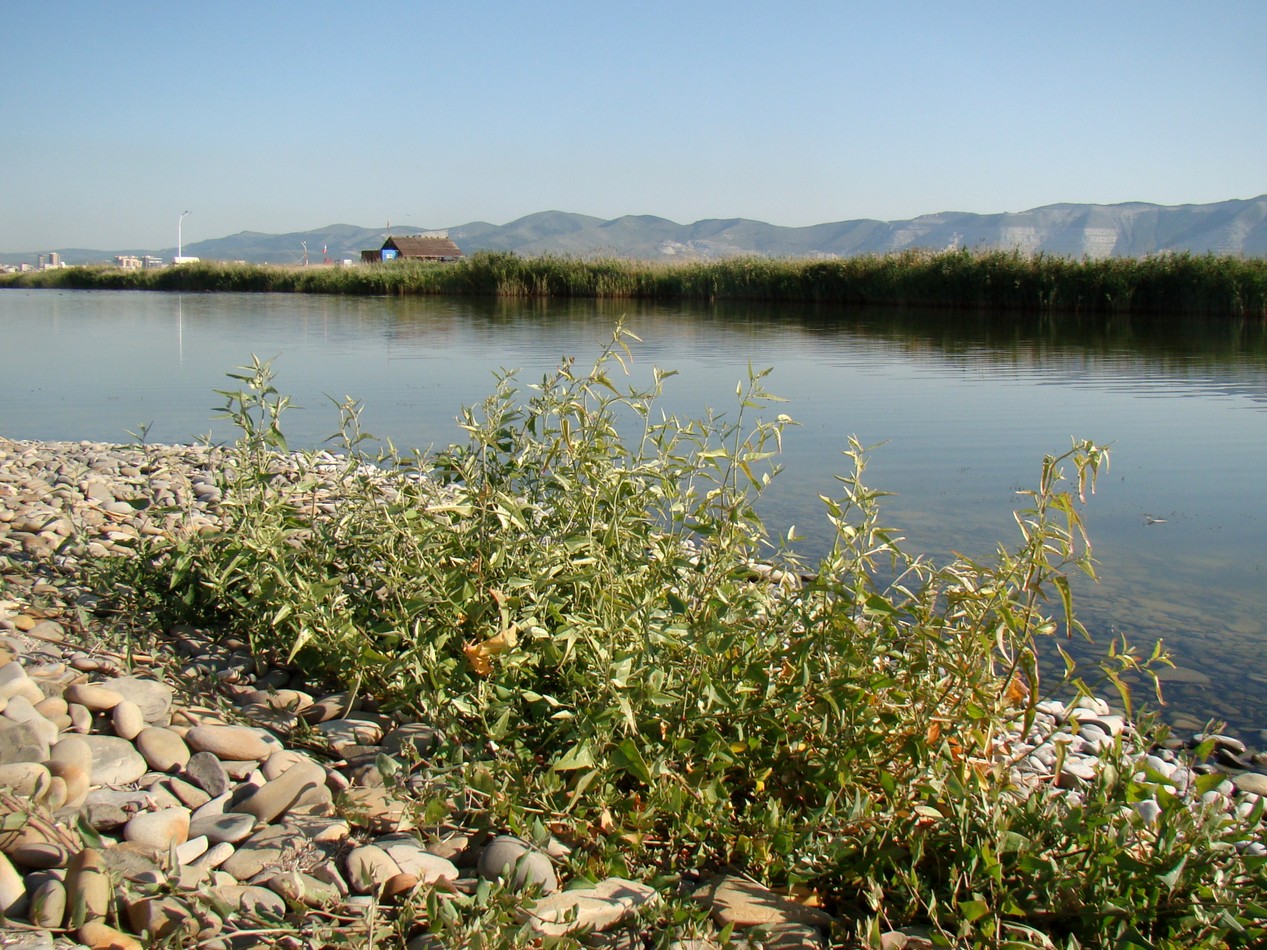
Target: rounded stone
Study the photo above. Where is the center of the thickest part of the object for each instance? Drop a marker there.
(345, 732)
(291, 699)
(161, 917)
(369, 868)
(279, 762)
(399, 885)
(154, 699)
(253, 900)
(162, 749)
(189, 795)
(93, 697)
(208, 773)
(15, 682)
(333, 706)
(21, 709)
(231, 743)
(217, 828)
(412, 741)
(88, 888)
(267, 848)
(97, 935)
(214, 856)
(73, 750)
(39, 855)
(77, 781)
(158, 829)
(126, 719)
(48, 904)
(193, 849)
(1254, 783)
(12, 888)
(275, 797)
(412, 858)
(22, 742)
(57, 794)
(24, 779)
(525, 865)
(80, 718)
(53, 707)
(114, 761)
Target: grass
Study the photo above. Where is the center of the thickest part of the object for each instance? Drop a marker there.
(569, 597)
(1001, 280)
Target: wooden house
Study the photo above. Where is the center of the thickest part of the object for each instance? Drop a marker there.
(423, 247)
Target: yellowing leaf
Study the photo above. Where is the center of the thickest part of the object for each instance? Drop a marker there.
(1017, 692)
(504, 641)
(478, 659)
(479, 654)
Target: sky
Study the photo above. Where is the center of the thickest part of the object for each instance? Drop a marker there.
(289, 116)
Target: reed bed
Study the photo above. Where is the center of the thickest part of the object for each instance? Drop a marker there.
(996, 280)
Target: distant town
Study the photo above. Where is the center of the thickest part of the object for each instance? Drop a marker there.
(53, 261)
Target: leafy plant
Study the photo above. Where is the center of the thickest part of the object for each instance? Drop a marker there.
(583, 601)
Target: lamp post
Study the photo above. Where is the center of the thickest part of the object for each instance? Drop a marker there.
(179, 243)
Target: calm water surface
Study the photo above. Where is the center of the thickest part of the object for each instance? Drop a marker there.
(965, 406)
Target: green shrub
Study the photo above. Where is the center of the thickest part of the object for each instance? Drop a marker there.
(582, 599)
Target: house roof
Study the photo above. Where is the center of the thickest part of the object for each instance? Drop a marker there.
(424, 246)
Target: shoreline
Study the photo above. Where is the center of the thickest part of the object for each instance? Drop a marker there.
(61, 501)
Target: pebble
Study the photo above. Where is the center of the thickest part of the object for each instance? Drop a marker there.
(275, 797)
(126, 719)
(206, 771)
(526, 865)
(12, 888)
(217, 828)
(1254, 783)
(158, 829)
(115, 761)
(48, 904)
(162, 749)
(740, 902)
(369, 868)
(228, 743)
(587, 909)
(93, 697)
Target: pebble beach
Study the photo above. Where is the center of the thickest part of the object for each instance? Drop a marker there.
(153, 789)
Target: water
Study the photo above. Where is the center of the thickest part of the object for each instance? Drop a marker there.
(965, 406)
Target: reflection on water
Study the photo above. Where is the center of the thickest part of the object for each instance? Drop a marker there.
(961, 407)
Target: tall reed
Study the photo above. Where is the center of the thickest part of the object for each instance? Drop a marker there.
(996, 280)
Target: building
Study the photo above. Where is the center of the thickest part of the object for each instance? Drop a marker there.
(418, 247)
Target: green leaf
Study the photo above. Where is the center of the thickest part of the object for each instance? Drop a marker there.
(973, 910)
(627, 756)
(1171, 877)
(580, 756)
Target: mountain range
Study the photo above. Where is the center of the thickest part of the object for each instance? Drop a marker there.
(1134, 229)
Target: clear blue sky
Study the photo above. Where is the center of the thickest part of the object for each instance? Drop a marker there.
(286, 116)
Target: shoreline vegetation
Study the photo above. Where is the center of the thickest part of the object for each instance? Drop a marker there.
(607, 650)
(1167, 284)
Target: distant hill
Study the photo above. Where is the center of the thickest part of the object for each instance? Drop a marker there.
(1134, 229)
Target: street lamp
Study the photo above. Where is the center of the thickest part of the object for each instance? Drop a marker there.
(179, 243)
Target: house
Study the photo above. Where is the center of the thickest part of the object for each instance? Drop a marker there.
(419, 247)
